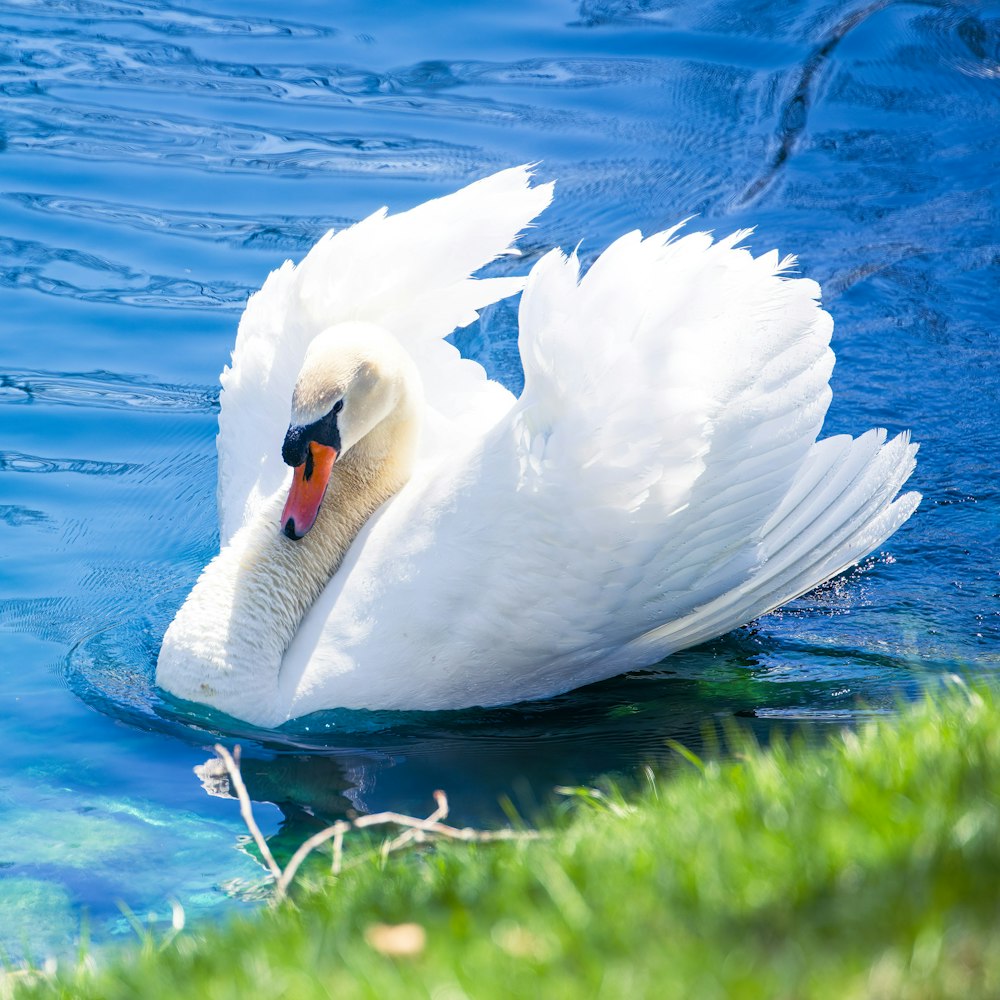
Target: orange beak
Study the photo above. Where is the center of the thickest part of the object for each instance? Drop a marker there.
(309, 483)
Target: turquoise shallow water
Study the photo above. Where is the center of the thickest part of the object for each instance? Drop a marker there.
(157, 160)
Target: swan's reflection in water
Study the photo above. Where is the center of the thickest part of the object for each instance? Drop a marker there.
(310, 791)
(484, 779)
(489, 763)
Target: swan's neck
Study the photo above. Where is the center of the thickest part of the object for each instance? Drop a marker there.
(226, 644)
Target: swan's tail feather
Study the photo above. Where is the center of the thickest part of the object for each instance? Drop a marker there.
(840, 508)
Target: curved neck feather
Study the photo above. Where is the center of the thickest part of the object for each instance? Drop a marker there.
(226, 644)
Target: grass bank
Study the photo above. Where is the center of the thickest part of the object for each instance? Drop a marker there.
(869, 867)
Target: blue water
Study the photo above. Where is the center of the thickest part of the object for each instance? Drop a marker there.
(157, 160)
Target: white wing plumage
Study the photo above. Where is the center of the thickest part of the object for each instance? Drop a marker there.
(409, 273)
(658, 483)
(715, 385)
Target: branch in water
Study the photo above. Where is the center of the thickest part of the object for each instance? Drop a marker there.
(416, 830)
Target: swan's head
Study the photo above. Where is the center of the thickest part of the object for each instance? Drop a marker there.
(353, 376)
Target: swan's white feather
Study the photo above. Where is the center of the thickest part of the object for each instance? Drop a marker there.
(659, 482)
(408, 273)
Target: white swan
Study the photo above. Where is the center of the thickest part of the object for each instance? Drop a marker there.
(657, 483)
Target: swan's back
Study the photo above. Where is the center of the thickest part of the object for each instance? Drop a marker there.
(658, 483)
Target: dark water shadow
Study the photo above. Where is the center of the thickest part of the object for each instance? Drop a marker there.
(795, 110)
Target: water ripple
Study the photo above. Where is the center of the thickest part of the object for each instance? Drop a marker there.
(71, 273)
(982, 42)
(33, 67)
(104, 390)
(599, 13)
(278, 232)
(160, 17)
(53, 618)
(103, 132)
(426, 89)
(549, 72)
(15, 461)
(17, 517)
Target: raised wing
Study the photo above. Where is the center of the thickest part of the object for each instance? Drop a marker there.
(411, 274)
(657, 483)
(678, 390)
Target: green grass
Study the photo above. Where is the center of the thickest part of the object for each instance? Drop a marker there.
(869, 867)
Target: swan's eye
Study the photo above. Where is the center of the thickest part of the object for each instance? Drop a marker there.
(338, 406)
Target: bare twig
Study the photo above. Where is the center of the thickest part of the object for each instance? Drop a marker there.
(305, 849)
(417, 835)
(246, 810)
(415, 830)
(338, 851)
